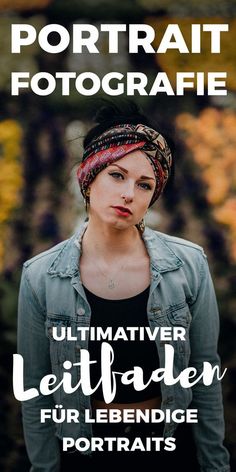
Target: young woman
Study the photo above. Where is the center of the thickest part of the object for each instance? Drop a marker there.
(132, 297)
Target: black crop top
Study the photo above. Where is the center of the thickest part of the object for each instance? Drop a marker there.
(128, 312)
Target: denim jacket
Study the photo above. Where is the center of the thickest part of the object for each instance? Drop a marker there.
(181, 294)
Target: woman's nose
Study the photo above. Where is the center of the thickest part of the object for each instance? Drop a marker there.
(128, 194)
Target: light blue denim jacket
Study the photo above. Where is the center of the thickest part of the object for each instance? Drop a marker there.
(181, 294)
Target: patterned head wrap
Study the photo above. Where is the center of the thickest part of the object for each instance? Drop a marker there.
(115, 143)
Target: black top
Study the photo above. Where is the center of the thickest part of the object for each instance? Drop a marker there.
(127, 354)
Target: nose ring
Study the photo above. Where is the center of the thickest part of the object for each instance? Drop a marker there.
(124, 197)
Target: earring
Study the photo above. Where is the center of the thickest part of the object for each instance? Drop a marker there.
(87, 199)
(141, 226)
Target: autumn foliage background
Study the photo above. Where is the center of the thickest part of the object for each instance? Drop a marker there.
(41, 144)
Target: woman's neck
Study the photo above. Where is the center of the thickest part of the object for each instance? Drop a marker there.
(109, 242)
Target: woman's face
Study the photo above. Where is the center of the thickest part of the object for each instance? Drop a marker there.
(121, 193)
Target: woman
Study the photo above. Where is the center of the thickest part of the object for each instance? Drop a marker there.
(116, 274)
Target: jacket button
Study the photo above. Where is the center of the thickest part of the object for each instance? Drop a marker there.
(80, 311)
(156, 310)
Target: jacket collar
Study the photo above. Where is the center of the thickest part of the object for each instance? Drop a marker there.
(66, 263)
(162, 257)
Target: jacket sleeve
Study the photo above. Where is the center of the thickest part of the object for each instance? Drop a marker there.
(41, 443)
(204, 331)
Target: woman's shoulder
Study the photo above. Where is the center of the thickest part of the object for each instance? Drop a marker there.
(47, 255)
(170, 253)
(174, 241)
(182, 249)
(180, 243)
(58, 258)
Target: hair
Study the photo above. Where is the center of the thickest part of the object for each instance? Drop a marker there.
(111, 114)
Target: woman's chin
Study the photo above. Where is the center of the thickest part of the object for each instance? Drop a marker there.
(119, 224)
(114, 222)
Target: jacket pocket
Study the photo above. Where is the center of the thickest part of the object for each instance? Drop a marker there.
(180, 316)
(54, 326)
(58, 322)
(57, 327)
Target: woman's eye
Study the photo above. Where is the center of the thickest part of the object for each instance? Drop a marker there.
(145, 186)
(116, 175)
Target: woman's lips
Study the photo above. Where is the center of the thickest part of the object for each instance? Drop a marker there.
(122, 211)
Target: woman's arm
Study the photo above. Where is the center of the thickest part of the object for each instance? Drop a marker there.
(204, 332)
(41, 442)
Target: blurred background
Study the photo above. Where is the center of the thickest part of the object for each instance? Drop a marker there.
(41, 144)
